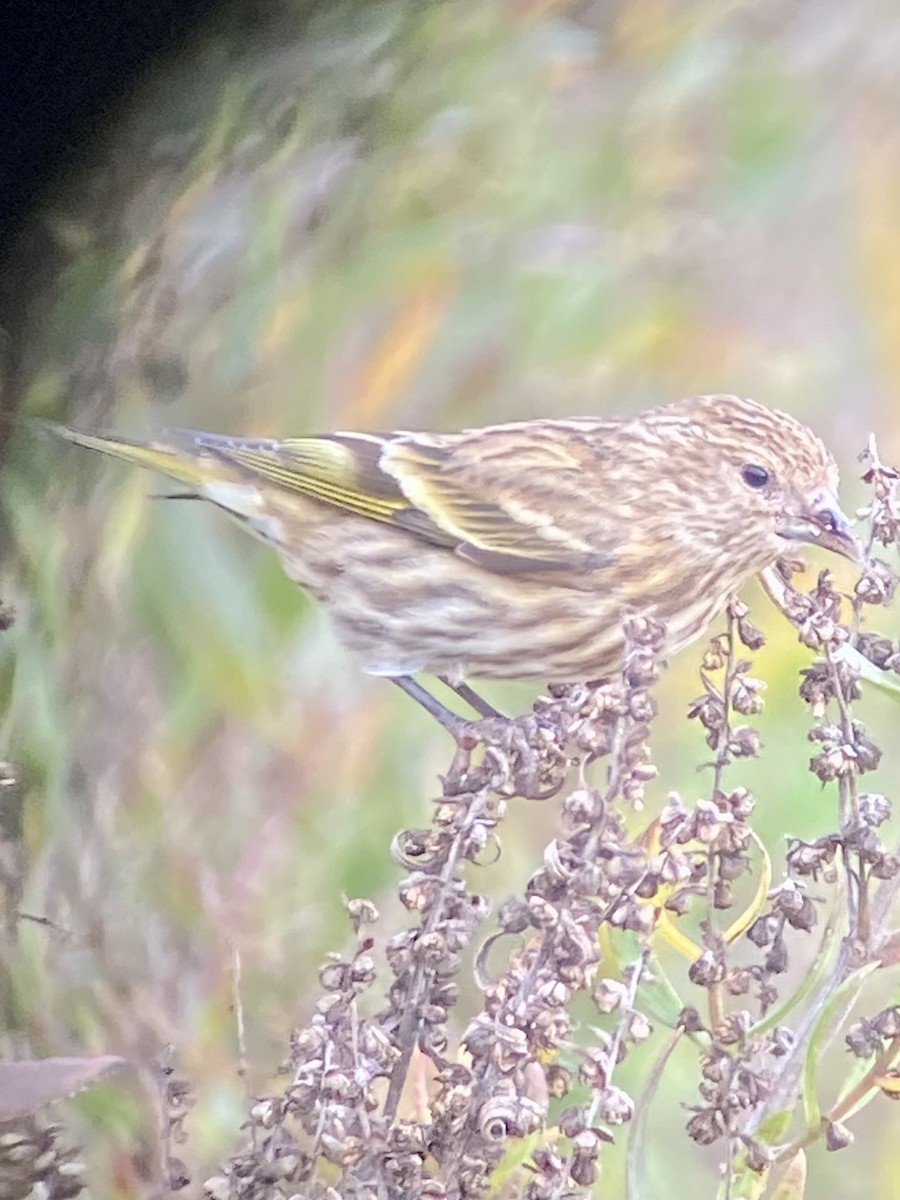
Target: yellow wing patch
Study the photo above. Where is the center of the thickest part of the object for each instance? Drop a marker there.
(325, 468)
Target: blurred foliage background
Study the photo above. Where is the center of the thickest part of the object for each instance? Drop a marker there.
(364, 215)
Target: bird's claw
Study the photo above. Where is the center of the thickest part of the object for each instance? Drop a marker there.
(522, 757)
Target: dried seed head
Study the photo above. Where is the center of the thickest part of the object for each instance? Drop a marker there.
(706, 1126)
(707, 969)
(877, 584)
(610, 994)
(614, 1106)
(837, 1136)
(887, 1022)
(873, 808)
(863, 1039)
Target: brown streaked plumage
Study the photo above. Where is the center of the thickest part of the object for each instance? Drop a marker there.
(516, 550)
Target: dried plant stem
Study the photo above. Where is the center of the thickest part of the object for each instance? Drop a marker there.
(410, 1024)
(844, 1107)
(237, 1005)
(880, 1067)
(715, 990)
(854, 867)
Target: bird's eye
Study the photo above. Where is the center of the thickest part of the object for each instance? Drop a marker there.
(754, 476)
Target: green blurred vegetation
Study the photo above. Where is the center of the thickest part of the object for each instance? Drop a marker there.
(394, 214)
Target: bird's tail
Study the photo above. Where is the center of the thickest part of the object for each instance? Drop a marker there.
(184, 463)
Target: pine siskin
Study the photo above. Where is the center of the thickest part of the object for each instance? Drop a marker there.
(517, 550)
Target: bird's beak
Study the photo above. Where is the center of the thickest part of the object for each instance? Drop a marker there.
(819, 521)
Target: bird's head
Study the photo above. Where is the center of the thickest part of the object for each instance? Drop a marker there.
(775, 478)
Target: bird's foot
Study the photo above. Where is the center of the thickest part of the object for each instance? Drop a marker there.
(520, 757)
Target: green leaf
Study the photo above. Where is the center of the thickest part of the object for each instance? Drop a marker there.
(773, 1128)
(639, 1133)
(791, 1184)
(509, 1169)
(656, 995)
(855, 1073)
(830, 1020)
(811, 980)
(885, 681)
(745, 1184)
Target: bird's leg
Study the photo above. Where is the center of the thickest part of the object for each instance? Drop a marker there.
(455, 725)
(471, 698)
(510, 761)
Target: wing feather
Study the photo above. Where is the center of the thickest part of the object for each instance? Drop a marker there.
(509, 498)
(337, 469)
(512, 495)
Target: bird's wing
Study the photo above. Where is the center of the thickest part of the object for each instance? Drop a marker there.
(510, 498)
(338, 469)
(514, 496)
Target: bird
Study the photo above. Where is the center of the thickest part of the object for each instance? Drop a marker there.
(518, 550)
